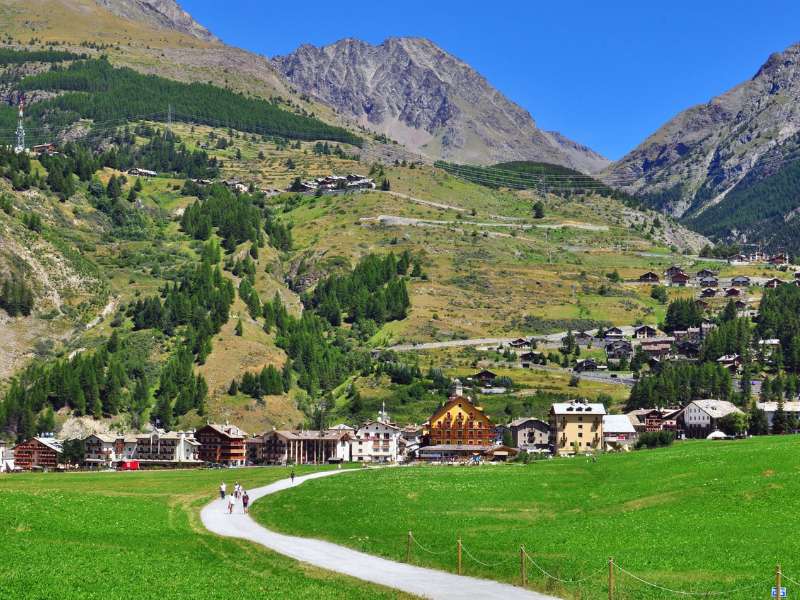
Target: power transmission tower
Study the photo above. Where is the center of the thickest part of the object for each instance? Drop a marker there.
(20, 147)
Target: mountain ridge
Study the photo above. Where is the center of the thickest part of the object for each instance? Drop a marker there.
(414, 91)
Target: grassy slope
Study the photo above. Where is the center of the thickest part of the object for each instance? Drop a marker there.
(698, 516)
(138, 535)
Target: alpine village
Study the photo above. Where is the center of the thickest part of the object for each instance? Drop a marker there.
(345, 322)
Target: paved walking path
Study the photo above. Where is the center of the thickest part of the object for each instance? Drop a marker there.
(427, 583)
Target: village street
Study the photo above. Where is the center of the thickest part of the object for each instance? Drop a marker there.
(426, 583)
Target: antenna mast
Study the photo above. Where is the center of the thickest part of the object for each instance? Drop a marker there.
(20, 147)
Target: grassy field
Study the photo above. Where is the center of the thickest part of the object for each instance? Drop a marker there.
(700, 516)
(138, 535)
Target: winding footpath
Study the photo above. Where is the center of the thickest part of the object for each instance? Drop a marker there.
(426, 583)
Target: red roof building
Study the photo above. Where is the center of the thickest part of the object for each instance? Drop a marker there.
(222, 444)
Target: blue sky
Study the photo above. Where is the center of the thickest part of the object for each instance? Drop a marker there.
(606, 74)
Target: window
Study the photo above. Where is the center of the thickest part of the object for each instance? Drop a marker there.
(580, 434)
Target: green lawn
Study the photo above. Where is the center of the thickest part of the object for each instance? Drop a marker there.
(138, 535)
(700, 516)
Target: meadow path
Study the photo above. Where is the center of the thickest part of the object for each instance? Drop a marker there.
(426, 583)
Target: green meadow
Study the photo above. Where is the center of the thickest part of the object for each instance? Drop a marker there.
(698, 517)
(138, 535)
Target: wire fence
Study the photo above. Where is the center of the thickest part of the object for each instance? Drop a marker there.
(613, 573)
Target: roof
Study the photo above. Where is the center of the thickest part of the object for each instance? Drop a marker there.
(617, 424)
(569, 408)
(309, 434)
(104, 437)
(230, 431)
(376, 422)
(341, 427)
(523, 420)
(716, 435)
(51, 443)
(715, 408)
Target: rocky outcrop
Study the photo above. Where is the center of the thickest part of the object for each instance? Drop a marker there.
(416, 93)
(166, 14)
(695, 159)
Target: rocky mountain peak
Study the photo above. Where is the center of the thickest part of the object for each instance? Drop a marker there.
(421, 95)
(166, 14)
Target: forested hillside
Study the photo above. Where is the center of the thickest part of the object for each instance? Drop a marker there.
(94, 89)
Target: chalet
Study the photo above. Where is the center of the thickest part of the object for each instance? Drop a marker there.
(484, 377)
(376, 441)
(613, 333)
(657, 347)
(701, 417)
(583, 338)
(588, 364)
(739, 259)
(530, 434)
(741, 305)
(709, 282)
(281, 447)
(619, 349)
(708, 292)
(618, 433)
(500, 453)
(773, 283)
(732, 362)
(673, 270)
(221, 444)
(701, 304)
(733, 292)
(528, 359)
(706, 274)
(779, 259)
(6, 458)
(740, 281)
(649, 277)
(410, 441)
(459, 422)
(39, 149)
(692, 333)
(520, 343)
(644, 331)
(576, 427)
(38, 453)
(653, 419)
(679, 279)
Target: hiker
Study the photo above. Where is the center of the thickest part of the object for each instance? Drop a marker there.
(292, 475)
(230, 504)
(237, 489)
(245, 501)
(222, 489)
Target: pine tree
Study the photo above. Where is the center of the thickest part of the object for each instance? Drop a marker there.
(238, 330)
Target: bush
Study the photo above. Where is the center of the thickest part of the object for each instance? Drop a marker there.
(655, 439)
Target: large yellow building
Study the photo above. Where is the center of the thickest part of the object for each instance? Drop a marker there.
(576, 427)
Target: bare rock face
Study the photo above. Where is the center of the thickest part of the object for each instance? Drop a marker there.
(695, 159)
(434, 103)
(166, 14)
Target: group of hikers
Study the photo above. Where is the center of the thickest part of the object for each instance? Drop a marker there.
(239, 493)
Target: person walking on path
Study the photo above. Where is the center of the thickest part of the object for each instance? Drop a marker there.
(222, 488)
(230, 504)
(245, 501)
(292, 475)
(237, 489)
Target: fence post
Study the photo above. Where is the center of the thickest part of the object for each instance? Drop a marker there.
(610, 578)
(778, 580)
(523, 572)
(408, 547)
(459, 556)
